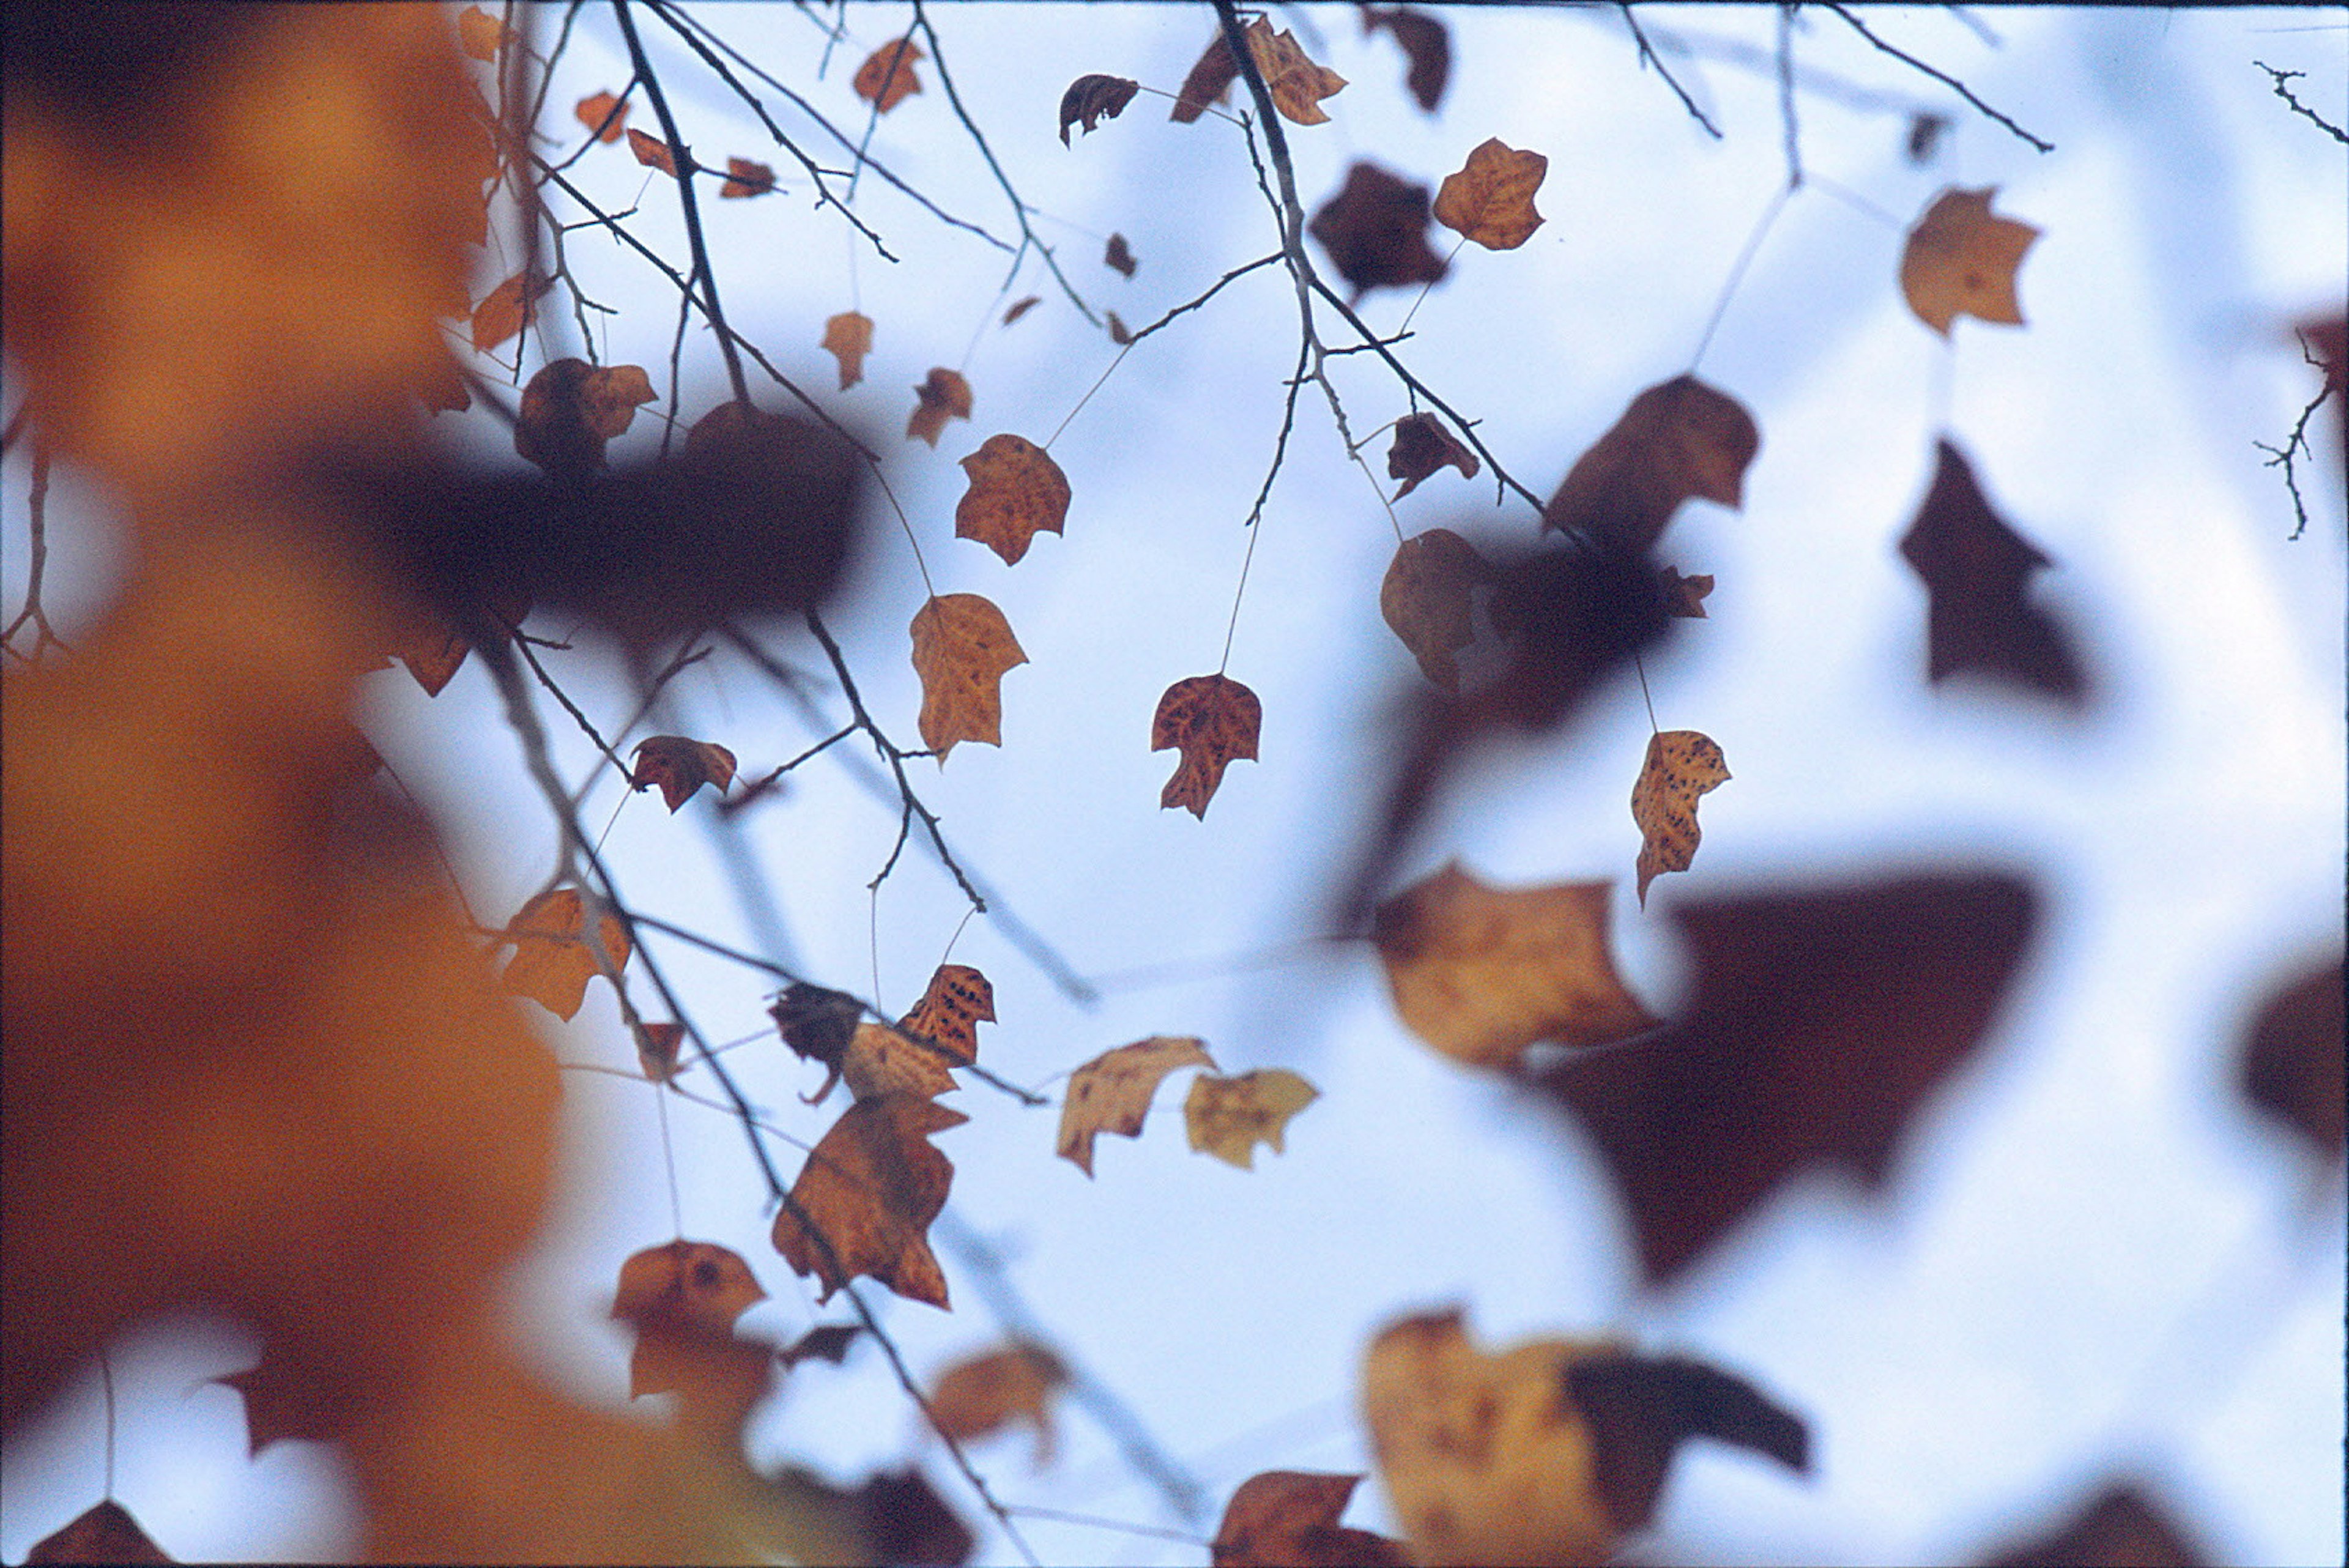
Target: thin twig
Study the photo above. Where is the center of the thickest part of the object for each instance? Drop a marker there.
(2283, 92)
(1648, 57)
(1942, 76)
(2287, 456)
(45, 636)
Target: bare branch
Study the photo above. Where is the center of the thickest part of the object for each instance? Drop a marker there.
(2284, 92)
(1648, 57)
(1945, 79)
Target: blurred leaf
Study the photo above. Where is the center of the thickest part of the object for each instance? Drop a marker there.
(848, 338)
(1679, 439)
(984, 1394)
(1425, 42)
(2291, 1057)
(1111, 1093)
(1208, 82)
(1117, 254)
(1977, 573)
(604, 116)
(104, 1532)
(553, 962)
(1227, 1118)
(746, 178)
(942, 395)
(1428, 598)
(1640, 1410)
(2119, 1527)
(824, 1342)
(1288, 1519)
(1960, 260)
(1375, 230)
(887, 78)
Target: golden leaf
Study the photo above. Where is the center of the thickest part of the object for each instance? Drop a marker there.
(887, 78)
(1491, 199)
(848, 338)
(1016, 490)
(1227, 1118)
(1296, 85)
(882, 1060)
(1214, 718)
(1681, 764)
(1679, 439)
(868, 1192)
(553, 962)
(962, 649)
(1111, 1093)
(604, 116)
(942, 395)
(1961, 259)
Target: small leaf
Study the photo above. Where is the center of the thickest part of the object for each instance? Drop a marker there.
(1426, 43)
(1685, 597)
(746, 178)
(887, 78)
(824, 1342)
(1111, 1093)
(819, 1024)
(1092, 98)
(1118, 256)
(1296, 85)
(654, 154)
(682, 1299)
(103, 1532)
(1227, 1118)
(570, 408)
(553, 960)
(957, 1001)
(604, 116)
(504, 311)
(1977, 572)
(1375, 230)
(1680, 766)
(1422, 445)
(679, 767)
(1118, 333)
(962, 649)
(848, 338)
(1214, 720)
(658, 1047)
(981, 1396)
(1021, 307)
(1491, 199)
(864, 1200)
(2291, 1056)
(1209, 80)
(944, 395)
(1428, 598)
(1288, 1519)
(479, 34)
(1960, 260)
(1678, 440)
(1016, 492)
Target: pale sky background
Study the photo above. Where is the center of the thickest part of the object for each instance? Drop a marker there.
(2090, 1260)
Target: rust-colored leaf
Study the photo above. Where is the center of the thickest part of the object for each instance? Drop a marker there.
(287, 1398)
(1210, 79)
(553, 960)
(1977, 572)
(570, 408)
(679, 767)
(658, 1047)
(2291, 1057)
(1426, 43)
(1119, 256)
(604, 116)
(1428, 598)
(1227, 1118)
(654, 154)
(864, 1200)
(824, 1342)
(1960, 260)
(1111, 1093)
(962, 649)
(102, 1532)
(957, 1001)
(1679, 439)
(1297, 83)
(942, 395)
(1214, 720)
(504, 311)
(1680, 766)
(1491, 199)
(1685, 597)
(848, 338)
(1092, 98)
(1422, 445)
(746, 178)
(1375, 230)
(1288, 1519)
(479, 34)
(1021, 307)
(1016, 492)
(432, 648)
(674, 1296)
(982, 1395)
(887, 78)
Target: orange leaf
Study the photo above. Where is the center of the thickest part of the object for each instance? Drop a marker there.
(1209, 80)
(944, 395)
(1016, 492)
(1681, 764)
(864, 1200)
(1977, 571)
(1118, 255)
(848, 338)
(887, 78)
(882, 1060)
(746, 178)
(285, 1399)
(1961, 259)
(1491, 199)
(654, 154)
(1111, 1093)
(102, 1532)
(1214, 718)
(1428, 598)
(673, 1294)
(962, 649)
(505, 311)
(479, 34)
(1482, 973)
(680, 766)
(1021, 307)
(958, 1002)
(1375, 230)
(658, 1046)
(1288, 1519)
(1679, 439)
(604, 116)
(570, 408)
(1685, 597)
(984, 1393)
(1297, 86)
(1425, 42)
(553, 960)
(1422, 445)
(1227, 1118)
(1091, 99)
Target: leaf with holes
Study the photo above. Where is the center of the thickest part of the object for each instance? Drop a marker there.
(864, 1200)
(1422, 445)
(848, 338)
(1111, 1093)
(942, 395)
(1491, 199)
(1960, 260)
(553, 960)
(984, 1394)
(887, 78)
(1288, 1519)
(1092, 98)
(957, 1001)
(1016, 492)
(746, 178)
(1214, 720)
(1227, 1118)
(1977, 572)
(1375, 230)
(679, 767)
(604, 116)
(1679, 438)
(1428, 598)
(1680, 766)
(962, 649)
(1297, 83)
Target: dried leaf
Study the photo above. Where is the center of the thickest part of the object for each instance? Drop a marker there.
(1482, 973)
(1296, 85)
(1422, 445)
(746, 178)
(942, 395)
(864, 1200)
(1491, 199)
(1016, 492)
(825, 1342)
(1119, 256)
(103, 1532)
(504, 311)
(1111, 1093)
(570, 408)
(1924, 137)
(819, 1024)
(2122, 1524)
(604, 116)
(444, 392)
(1118, 334)
(1640, 1410)
(1021, 307)
(1685, 597)
(957, 1001)
(654, 154)
(1680, 766)
(1679, 439)
(1091, 99)
(984, 1394)
(887, 78)
(882, 1060)
(962, 649)
(553, 960)
(1425, 42)
(658, 1048)
(286, 1398)
(1227, 1118)
(848, 338)
(679, 767)
(1960, 260)
(1214, 720)
(1210, 78)
(1288, 1519)
(905, 1521)
(1375, 230)
(682, 1299)
(1428, 598)
(2291, 1057)
(1977, 572)
(479, 34)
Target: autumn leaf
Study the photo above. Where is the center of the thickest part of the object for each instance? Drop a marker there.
(1819, 1021)
(1680, 766)
(1685, 597)
(1422, 445)
(679, 767)
(1288, 1519)
(1119, 256)
(1425, 42)
(1483, 972)
(604, 116)
(746, 178)
(505, 310)
(286, 1398)
(1640, 1410)
(848, 338)
(1428, 598)
(942, 395)
(825, 1342)
(1210, 79)
(962, 649)
(1296, 85)
(1214, 720)
(882, 1060)
(673, 1296)
(570, 408)
(1961, 259)
(444, 390)
(981, 1396)
(2120, 1524)
(820, 1025)
(654, 154)
(1977, 573)
(956, 1002)
(479, 34)
(1111, 1093)
(2290, 1060)
(1092, 98)
(887, 78)
(1679, 439)
(102, 1532)
(553, 960)
(1375, 230)
(864, 1200)
(1118, 332)
(431, 647)
(1491, 199)
(658, 1047)
(1227, 1118)
(1021, 307)
(1016, 492)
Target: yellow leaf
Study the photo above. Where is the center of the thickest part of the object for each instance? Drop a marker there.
(962, 649)
(848, 338)
(1214, 720)
(1111, 1093)
(1491, 199)
(1227, 1118)
(1681, 764)
(1016, 490)
(882, 1060)
(1961, 259)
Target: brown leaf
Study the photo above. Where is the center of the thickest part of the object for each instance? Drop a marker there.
(103, 1532)
(1425, 42)
(864, 1200)
(882, 1060)
(1428, 598)
(1960, 260)
(1640, 1410)
(1679, 439)
(1209, 80)
(1227, 1118)
(2291, 1057)
(654, 154)
(1021, 307)
(2121, 1527)
(1482, 973)
(962, 649)
(604, 116)
(1422, 445)
(957, 1001)
(444, 392)
(479, 34)
(1119, 256)
(848, 338)
(1685, 597)
(284, 1397)
(1093, 97)
(1214, 718)
(984, 1394)
(505, 311)
(819, 1024)
(658, 1047)
(1118, 334)
(1288, 1519)
(1375, 230)
(746, 178)
(674, 1294)
(679, 767)
(825, 1342)
(1977, 573)
(1819, 1021)
(553, 960)
(1111, 1093)
(1016, 492)
(944, 395)
(1680, 766)
(1491, 199)
(905, 1521)
(1296, 85)
(887, 78)
(570, 408)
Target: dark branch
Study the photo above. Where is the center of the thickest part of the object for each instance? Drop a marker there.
(1945, 79)
(2284, 92)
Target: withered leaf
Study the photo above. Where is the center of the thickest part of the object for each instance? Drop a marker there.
(1640, 1410)
(1679, 439)
(1977, 573)
(882, 1060)
(1214, 718)
(1422, 445)
(942, 395)
(1491, 199)
(1820, 1021)
(1016, 492)
(433, 648)
(444, 392)
(654, 154)
(904, 1520)
(1426, 43)
(103, 1532)
(824, 1342)
(1111, 1093)
(1118, 332)
(1428, 598)
(848, 338)
(819, 1024)
(679, 767)
(604, 116)
(1119, 256)
(962, 649)
(1227, 1118)
(1685, 597)
(2291, 1057)
(1961, 259)
(1093, 97)
(746, 178)
(986, 1393)
(1481, 972)
(1296, 85)
(553, 959)
(1680, 766)
(658, 1047)
(1288, 1519)
(2121, 1525)
(682, 1299)
(284, 1397)
(479, 34)
(570, 408)
(887, 78)
(957, 1001)
(504, 311)
(864, 1200)
(1375, 230)
(1210, 78)
(1021, 307)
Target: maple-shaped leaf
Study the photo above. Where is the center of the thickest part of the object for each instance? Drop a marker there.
(1207, 82)
(746, 178)
(675, 1296)
(1214, 720)
(504, 311)
(1111, 1093)
(962, 649)
(986, 1393)
(679, 767)
(2292, 1058)
(479, 34)
(553, 960)
(1422, 445)
(848, 338)
(286, 1398)
(1491, 199)
(2121, 1525)
(825, 1342)
(1288, 1519)
(604, 116)
(864, 1200)
(1680, 766)
(1016, 492)
(654, 154)
(1092, 98)
(956, 1002)
(102, 1532)
(1685, 597)
(1119, 256)
(1375, 230)
(658, 1048)
(570, 408)
(1227, 1118)
(1960, 260)
(1640, 1410)
(1428, 598)
(1426, 43)
(887, 78)
(1019, 307)
(1819, 1021)
(1977, 572)
(942, 395)
(431, 647)
(820, 1025)
(1482, 973)
(1679, 439)
(1297, 83)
